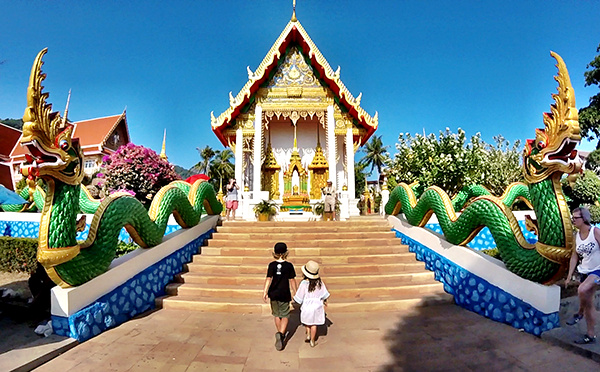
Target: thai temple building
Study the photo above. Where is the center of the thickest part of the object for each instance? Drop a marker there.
(293, 126)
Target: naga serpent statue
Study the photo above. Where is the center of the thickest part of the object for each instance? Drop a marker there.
(57, 159)
(545, 159)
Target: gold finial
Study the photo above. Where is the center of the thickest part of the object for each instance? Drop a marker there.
(295, 141)
(66, 109)
(294, 19)
(163, 152)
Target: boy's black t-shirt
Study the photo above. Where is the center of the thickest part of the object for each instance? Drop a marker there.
(281, 272)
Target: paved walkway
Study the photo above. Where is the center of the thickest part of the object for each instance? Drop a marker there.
(436, 338)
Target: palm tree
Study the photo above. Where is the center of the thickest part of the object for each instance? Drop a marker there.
(206, 154)
(376, 155)
(221, 166)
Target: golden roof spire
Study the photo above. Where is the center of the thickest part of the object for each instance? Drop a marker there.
(67, 109)
(294, 19)
(163, 152)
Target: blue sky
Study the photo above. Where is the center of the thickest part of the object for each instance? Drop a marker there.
(423, 65)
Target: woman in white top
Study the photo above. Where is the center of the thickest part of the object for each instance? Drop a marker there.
(587, 247)
(313, 295)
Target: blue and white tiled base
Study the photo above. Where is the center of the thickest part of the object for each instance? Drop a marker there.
(478, 295)
(30, 229)
(129, 299)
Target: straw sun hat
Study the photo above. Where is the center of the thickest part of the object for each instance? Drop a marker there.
(311, 270)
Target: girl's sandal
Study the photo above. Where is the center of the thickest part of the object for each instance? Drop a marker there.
(313, 343)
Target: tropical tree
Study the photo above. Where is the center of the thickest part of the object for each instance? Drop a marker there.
(221, 168)
(360, 178)
(447, 161)
(376, 155)
(589, 117)
(137, 170)
(206, 156)
(501, 165)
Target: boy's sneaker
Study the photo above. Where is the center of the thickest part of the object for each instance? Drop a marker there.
(586, 340)
(574, 319)
(278, 341)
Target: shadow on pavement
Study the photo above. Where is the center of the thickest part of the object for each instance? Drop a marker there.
(446, 337)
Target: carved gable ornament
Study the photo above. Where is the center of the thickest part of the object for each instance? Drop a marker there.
(294, 72)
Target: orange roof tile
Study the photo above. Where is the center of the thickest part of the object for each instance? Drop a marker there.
(9, 137)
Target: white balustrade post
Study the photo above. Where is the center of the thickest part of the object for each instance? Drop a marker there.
(239, 158)
(257, 150)
(331, 145)
(350, 161)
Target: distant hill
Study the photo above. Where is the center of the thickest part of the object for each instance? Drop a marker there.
(184, 173)
(15, 123)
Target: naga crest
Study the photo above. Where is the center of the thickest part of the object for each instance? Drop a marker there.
(553, 149)
(47, 136)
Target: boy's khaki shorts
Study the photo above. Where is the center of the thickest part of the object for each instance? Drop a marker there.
(280, 309)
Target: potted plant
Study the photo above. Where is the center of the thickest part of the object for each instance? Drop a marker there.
(319, 208)
(265, 209)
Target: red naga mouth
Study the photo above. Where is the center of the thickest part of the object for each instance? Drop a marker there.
(39, 157)
(565, 153)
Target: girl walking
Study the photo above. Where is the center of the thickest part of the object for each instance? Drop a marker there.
(312, 295)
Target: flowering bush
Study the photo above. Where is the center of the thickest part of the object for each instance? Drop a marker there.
(137, 170)
(451, 163)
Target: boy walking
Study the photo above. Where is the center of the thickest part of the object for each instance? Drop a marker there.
(280, 277)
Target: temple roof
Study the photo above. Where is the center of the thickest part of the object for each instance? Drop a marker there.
(295, 33)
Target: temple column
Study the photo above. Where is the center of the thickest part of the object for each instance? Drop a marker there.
(350, 161)
(331, 145)
(257, 150)
(239, 157)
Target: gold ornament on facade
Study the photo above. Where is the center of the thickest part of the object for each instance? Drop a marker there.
(295, 197)
(270, 174)
(319, 172)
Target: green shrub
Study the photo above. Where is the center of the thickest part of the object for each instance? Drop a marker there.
(123, 248)
(18, 254)
(595, 214)
(493, 252)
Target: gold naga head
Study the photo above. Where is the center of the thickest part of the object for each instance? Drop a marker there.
(554, 148)
(48, 138)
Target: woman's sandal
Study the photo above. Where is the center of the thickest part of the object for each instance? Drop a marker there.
(586, 340)
(574, 319)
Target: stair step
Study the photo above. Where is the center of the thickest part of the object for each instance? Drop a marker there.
(304, 252)
(318, 224)
(237, 305)
(268, 242)
(327, 270)
(338, 291)
(324, 260)
(300, 229)
(293, 236)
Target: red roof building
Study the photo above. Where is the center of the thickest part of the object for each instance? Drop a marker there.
(9, 137)
(97, 138)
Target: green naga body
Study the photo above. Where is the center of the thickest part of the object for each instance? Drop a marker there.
(57, 159)
(545, 159)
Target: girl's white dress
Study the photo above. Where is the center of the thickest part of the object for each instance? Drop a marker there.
(312, 311)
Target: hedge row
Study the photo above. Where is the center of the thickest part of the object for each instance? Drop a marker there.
(18, 254)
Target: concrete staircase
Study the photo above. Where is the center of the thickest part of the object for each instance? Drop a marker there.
(363, 264)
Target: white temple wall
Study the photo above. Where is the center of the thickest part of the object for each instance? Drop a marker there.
(340, 166)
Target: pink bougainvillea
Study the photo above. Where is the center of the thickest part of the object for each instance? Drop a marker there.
(137, 170)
